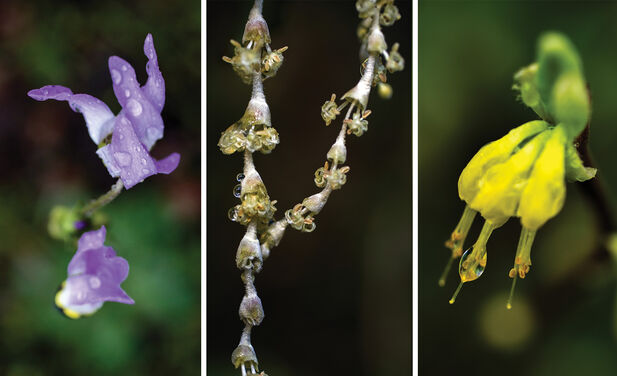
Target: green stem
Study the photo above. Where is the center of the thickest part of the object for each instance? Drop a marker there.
(105, 199)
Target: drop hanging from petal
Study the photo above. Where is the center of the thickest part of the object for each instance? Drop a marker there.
(473, 261)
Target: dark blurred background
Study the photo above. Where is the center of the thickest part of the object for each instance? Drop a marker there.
(48, 159)
(562, 321)
(337, 300)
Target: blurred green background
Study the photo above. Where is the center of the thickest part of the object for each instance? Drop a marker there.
(563, 313)
(49, 159)
(338, 300)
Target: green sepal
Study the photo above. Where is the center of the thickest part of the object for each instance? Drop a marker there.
(575, 170)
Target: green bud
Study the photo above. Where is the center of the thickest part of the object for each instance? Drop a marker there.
(556, 56)
(571, 103)
(62, 221)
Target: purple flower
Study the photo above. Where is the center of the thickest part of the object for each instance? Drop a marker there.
(94, 277)
(134, 130)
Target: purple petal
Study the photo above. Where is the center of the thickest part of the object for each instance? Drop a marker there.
(91, 240)
(154, 89)
(138, 109)
(99, 118)
(57, 92)
(109, 161)
(129, 154)
(168, 164)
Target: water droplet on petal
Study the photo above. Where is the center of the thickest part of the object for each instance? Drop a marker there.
(94, 282)
(143, 161)
(116, 76)
(470, 268)
(153, 133)
(145, 171)
(240, 177)
(124, 68)
(237, 190)
(127, 93)
(123, 159)
(134, 107)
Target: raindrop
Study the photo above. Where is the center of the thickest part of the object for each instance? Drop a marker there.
(134, 107)
(153, 133)
(95, 282)
(127, 93)
(143, 161)
(240, 177)
(470, 269)
(232, 214)
(123, 159)
(237, 190)
(116, 76)
(145, 171)
(124, 68)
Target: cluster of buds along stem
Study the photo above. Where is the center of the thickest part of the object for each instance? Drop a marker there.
(255, 61)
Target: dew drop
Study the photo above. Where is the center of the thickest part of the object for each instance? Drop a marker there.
(240, 177)
(134, 107)
(232, 214)
(143, 161)
(153, 133)
(127, 93)
(145, 171)
(94, 282)
(237, 190)
(116, 76)
(123, 159)
(470, 269)
(124, 68)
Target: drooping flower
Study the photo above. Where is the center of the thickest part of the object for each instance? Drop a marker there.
(94, 277)
(137, 127)
(523, 173)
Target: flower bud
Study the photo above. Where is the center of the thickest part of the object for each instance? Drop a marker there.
(571, 103)
(251, 311)
(256, 28)
(249, 255)
(338, 152)
(376, 42)
(244, 353)
(317, 201)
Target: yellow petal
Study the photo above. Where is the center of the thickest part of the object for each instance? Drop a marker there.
(501, 186)
(545, 191)
(491, 154)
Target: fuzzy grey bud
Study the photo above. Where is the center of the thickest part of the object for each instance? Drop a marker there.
(251, 311)
(249, 255)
